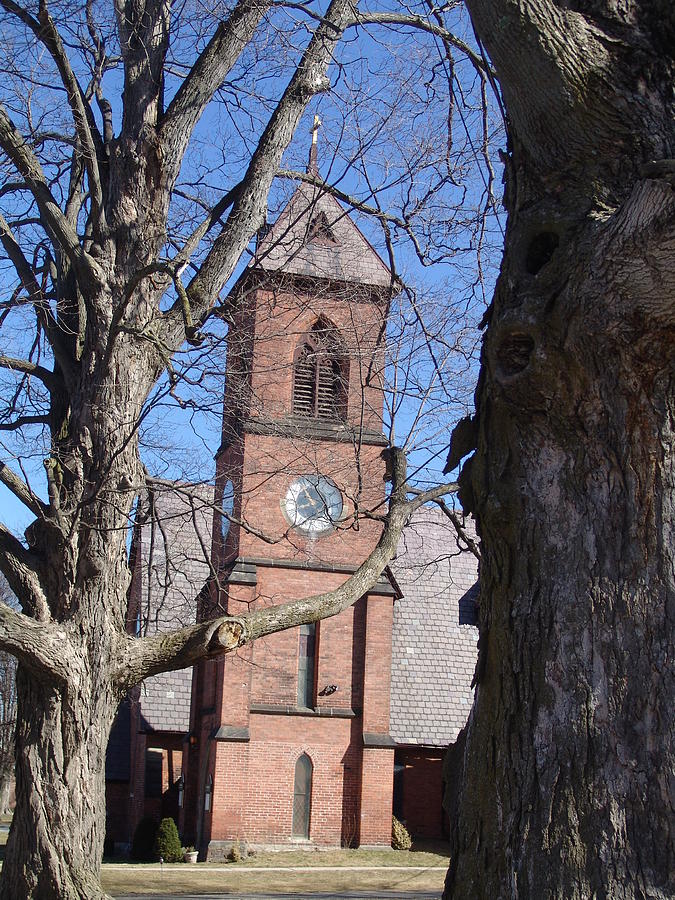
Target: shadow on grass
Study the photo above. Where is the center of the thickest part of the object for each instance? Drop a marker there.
(426, 845)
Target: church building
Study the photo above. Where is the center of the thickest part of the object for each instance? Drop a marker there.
(289, 740)
(292, 733)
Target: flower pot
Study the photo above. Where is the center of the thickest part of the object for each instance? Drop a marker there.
(190, 856)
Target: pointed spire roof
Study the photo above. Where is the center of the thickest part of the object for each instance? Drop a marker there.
(314, 237)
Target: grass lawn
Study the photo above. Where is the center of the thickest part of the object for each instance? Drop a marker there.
(253, 874)
(423, 854)
(205, 879)
(425, 867)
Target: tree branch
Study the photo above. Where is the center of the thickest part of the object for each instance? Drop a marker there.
(176, 650)
(207, 224)
(459, 527)
(421, 24)
(248, 212)
(23, 268)
(353, 202)
(85, 125)
(24, 365)
(35, 293)
(22, 421)
(21, 490)
(204, 79)
(26, 163)
(20, 568)
(37, 645)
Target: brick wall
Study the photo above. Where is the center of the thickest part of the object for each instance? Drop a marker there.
(117, 825)
(253, 780)
(422, 786)
(376, 797)
(284, 318)
(242, 741)
(270, 465)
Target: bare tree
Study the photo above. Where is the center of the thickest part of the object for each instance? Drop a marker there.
(122, 223)
(566, 785)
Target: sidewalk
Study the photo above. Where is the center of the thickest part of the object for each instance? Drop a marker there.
(235, 867)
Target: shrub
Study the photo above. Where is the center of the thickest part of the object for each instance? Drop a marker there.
(167, 842)
(144, 840)
(235, 855)
(400, 839)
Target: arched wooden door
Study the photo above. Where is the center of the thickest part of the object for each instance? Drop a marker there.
(302, 796)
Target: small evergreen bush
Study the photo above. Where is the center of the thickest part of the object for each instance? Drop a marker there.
(400, 839)
(167, 842)
(144, 840)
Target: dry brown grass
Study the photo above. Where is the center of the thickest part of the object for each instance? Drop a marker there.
(422, 856)
(123, 879)
(253, 874)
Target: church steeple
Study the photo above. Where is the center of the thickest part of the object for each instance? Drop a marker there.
(314, 237)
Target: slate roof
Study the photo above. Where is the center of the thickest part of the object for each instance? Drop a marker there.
(434, 634)
(290, 247)
(170, 584)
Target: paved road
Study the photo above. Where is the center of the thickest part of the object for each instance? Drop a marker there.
(347, 895)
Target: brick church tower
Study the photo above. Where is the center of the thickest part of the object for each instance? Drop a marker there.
(289, 739)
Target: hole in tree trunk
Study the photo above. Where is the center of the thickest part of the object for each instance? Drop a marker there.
(541, 249)
(514, 353)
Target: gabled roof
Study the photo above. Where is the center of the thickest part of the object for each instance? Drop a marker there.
(434, 632)
(314, 237)
(174, 567)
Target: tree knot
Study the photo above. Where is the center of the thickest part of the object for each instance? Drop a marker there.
(230, 634)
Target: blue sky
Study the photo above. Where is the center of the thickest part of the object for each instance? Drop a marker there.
(384, 100)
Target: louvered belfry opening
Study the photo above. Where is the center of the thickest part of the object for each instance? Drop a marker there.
(320, 376)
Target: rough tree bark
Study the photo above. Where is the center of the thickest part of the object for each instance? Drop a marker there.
(566, 789)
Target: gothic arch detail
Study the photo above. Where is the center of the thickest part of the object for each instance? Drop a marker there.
(302, 796)
(320, 230)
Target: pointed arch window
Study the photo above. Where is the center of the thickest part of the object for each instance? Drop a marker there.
(302, 796)
(227, 509)
(320, 376)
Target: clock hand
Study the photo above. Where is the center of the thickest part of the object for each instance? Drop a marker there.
(305, 504)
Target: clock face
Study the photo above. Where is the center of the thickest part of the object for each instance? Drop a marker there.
(313, 504)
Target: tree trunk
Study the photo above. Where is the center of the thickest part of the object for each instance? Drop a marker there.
(55, 844)
(567, 790)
